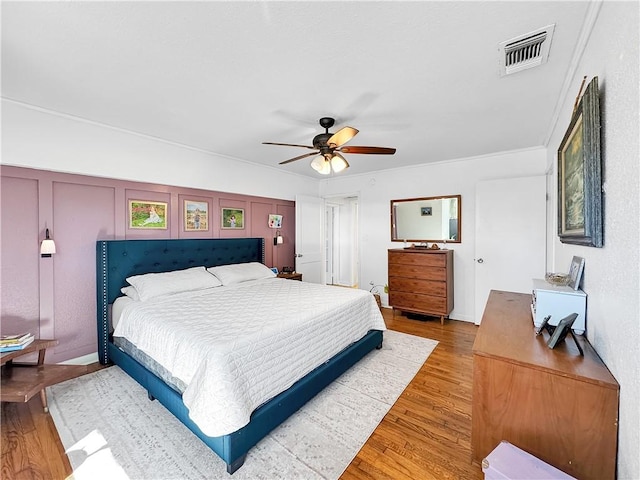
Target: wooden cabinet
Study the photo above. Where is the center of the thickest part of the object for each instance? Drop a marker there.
(421, 281)
(554, 404)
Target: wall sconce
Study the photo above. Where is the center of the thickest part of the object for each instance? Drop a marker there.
(48, 246)
(278, 239)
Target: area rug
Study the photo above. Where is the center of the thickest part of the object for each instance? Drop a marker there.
(110, 429)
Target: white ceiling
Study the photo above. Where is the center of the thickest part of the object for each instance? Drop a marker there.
(225, 76)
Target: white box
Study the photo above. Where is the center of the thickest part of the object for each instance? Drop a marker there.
(508, 462)
(558, 301)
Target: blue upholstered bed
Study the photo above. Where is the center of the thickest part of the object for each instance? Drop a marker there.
(118, 259)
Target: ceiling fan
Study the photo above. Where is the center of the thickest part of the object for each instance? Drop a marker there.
(328, 148)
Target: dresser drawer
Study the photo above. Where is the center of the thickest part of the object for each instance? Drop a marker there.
(417, 271)
(418, 259)
(418, 303)
(411, 285)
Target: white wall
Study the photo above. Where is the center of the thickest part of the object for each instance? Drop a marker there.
(36, 138)
(451, 178)
(612, 273)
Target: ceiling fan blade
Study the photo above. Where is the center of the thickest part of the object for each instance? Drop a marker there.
(288, 145)
(369, 150)
(341, 137)
(299, 157)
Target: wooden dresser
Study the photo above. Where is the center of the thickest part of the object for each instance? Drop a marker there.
(421, 281)
(558, 406)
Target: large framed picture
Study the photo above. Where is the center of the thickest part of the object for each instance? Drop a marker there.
(580, 174)
(232, 218)
(196, 216)
(145, 214)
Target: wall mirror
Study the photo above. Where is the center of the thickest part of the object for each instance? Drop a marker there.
(427, 219)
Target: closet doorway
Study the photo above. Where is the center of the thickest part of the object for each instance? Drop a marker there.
(342, 251)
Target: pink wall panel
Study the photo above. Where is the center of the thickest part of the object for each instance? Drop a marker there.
(20, 256)
(285, 253)
(260, 228)
(83, 214)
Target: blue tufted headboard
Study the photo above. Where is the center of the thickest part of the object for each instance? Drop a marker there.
(118, 259)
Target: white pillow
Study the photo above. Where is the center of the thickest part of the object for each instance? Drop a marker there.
(131, 292)
(153, 285)
(241, 272)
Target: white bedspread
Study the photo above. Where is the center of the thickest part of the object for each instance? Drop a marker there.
(238, 346)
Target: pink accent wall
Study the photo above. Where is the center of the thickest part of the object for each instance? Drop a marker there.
(55, 297)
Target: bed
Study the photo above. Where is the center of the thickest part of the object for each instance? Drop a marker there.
(118, 260)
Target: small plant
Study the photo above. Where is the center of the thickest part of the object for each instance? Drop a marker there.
(374, 288)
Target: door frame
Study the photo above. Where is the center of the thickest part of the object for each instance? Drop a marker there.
(331, 201)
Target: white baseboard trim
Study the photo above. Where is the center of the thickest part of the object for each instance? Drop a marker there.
(84, 360)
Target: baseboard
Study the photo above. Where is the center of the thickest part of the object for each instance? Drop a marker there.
(84, 360)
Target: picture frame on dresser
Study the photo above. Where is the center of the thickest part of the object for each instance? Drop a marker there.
(562, 329)
(575, 272)
(580, 174)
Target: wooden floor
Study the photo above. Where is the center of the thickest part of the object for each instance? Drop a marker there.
(425, 435)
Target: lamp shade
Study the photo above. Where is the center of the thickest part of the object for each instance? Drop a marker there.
(338, 163)
(278, 239)
(48, 246)
(321, 165)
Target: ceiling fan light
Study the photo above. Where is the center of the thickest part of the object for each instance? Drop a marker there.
(321, 165)
(338, 163)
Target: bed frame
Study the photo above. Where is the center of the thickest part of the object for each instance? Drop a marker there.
(118, 259)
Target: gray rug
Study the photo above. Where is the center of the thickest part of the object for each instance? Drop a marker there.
(111, 430)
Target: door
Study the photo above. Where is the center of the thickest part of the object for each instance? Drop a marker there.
(510, 236)
(310, 241)
(342, 241)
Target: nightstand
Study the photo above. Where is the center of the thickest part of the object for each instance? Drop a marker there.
(290, 276)
(21, 381)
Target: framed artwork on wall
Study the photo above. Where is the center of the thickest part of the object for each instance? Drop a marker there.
(275, 221)
(232, 218)
(146, 214)
(196, 216)
(580, 174)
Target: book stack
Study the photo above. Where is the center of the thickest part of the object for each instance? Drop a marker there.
(9, 343)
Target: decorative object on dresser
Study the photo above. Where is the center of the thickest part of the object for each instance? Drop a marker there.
(421, 281)
(553, 403)
(575, 272)
(557, 301)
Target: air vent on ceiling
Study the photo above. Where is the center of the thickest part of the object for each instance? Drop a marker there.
(526, 51)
